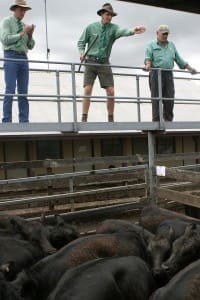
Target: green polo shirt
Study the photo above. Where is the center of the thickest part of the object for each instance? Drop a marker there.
(92, 31)
(164, 57)
(9, 36)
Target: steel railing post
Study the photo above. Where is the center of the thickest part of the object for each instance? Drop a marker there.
(138, 97)
(152, 176)
(74, 97)
(58, 96)
(160, 98)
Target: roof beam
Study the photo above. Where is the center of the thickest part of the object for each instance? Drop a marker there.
(192, 6)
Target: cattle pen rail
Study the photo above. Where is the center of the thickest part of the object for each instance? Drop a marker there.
(102, 190)
(73, 200)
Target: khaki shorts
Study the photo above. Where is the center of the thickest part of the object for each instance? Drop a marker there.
(104, 74)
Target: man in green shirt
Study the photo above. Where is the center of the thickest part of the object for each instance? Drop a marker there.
(16, 38)
(99, 38)
(162, 54)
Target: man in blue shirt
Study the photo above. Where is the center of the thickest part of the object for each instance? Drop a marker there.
(162, 54)
(16, 38)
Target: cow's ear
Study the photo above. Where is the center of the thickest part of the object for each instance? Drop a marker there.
(42, 218)
(59, 220)
(18, 221)
(14, 223)
(171, 233)
(145, 239)
(190, 229)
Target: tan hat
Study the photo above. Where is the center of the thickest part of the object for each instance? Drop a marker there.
(20, 3)
(163, 29)
(107, 7)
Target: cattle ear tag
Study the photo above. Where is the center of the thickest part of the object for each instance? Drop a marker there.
(5, 267)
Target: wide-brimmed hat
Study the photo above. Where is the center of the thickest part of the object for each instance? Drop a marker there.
(20, 3)
(107, 7)
(163, 29)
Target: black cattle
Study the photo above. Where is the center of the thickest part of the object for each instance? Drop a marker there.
(44, 275)
(185, 250)
(16, 255)
(7, 290)
(160, 246)
(185, 285)
(151, 217)
(9, 233)
(34, 232)
(60, 233)
(116, 278)
(114, 225)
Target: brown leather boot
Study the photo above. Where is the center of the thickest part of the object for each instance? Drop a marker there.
(110, 118)
(84, 118)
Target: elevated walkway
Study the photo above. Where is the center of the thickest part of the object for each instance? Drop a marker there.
(55, 96)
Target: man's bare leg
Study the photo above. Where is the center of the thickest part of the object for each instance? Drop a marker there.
(110, 103)
(86, 102)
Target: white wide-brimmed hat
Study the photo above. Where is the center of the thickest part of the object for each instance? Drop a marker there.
(20, 3)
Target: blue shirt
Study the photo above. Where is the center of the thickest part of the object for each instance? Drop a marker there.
(163, 56)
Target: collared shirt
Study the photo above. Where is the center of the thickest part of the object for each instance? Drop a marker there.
(93, 31)
(9, 36)
(163, 56)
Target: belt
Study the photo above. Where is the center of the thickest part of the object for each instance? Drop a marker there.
(96, 59)
(17, 52)
(92, 57)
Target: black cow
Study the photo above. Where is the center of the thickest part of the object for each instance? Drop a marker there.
(16, 255)
(116, 278)
(60, 233)
(185, 285)
(34, 232)
(160, 246)
(185, 250)
(151, 217)
(45, 274)
(114, 225)
(7, 290)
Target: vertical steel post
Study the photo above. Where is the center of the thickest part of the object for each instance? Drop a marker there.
(58, 96)
(160, 98)
(74, 97)
(152, 177)
(138, 97)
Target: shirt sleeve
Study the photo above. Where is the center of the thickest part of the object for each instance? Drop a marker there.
(179, 60)
(83, 41)
(148, 53)
(119, 32)
(7, 38)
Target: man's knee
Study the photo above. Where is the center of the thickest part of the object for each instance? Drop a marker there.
(88, 90)
(110, 91)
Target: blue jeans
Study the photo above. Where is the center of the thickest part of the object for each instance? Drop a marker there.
(16, 72)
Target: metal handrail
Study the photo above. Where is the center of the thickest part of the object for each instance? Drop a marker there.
(75, 98)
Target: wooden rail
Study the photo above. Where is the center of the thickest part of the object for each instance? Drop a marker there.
(180, 175)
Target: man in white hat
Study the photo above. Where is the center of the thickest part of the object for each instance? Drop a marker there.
(161, 53)
(16, 38)
(99, 38)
